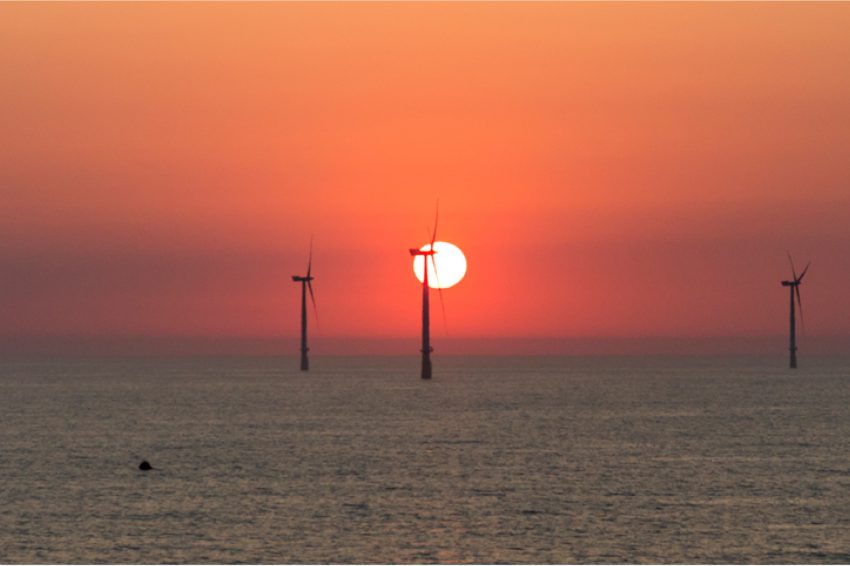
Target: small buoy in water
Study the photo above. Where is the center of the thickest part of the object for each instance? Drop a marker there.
(145, 466)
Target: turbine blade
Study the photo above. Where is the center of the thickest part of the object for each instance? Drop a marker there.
(436, 221)
(313, 300)
(439, 292)
(310, 258)
(793, 271)
(804, 272)
(800, 308)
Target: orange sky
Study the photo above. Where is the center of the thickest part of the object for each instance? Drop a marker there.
(610, 170)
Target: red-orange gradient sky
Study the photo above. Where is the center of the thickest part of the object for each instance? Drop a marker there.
(610, 170)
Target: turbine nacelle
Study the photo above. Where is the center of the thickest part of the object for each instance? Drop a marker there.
(299, 279)
(415, 252)
(797, 280)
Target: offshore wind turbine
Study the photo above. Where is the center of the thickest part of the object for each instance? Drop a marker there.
(306, 284)
(426, 306)
(794, 287)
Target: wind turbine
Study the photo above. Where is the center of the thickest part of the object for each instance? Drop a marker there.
(426, 307)
(305, 285)
(794, 286)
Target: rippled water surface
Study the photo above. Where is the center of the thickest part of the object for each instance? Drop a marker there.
(495, 460)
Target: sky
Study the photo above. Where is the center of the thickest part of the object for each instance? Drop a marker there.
(620, 172)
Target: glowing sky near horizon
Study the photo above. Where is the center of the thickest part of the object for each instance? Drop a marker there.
(611, 169)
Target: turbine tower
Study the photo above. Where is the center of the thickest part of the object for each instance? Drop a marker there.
(426, 307)
(794, 287)
(305, 285)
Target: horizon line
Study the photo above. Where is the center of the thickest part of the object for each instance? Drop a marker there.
(269, 345)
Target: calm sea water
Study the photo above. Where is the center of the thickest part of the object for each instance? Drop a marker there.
(495, 460)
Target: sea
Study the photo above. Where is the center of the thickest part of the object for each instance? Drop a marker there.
(494, 460)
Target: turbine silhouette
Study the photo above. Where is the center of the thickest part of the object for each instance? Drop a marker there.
(306, 284)
(426, 307)
(794, 286)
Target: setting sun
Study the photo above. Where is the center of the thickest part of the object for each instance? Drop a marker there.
(451, 265)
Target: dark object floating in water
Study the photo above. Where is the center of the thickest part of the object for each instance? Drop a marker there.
(145, 466)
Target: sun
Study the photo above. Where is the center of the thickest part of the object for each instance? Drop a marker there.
(451, 265)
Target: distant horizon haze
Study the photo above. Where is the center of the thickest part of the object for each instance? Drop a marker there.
(180, 346)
